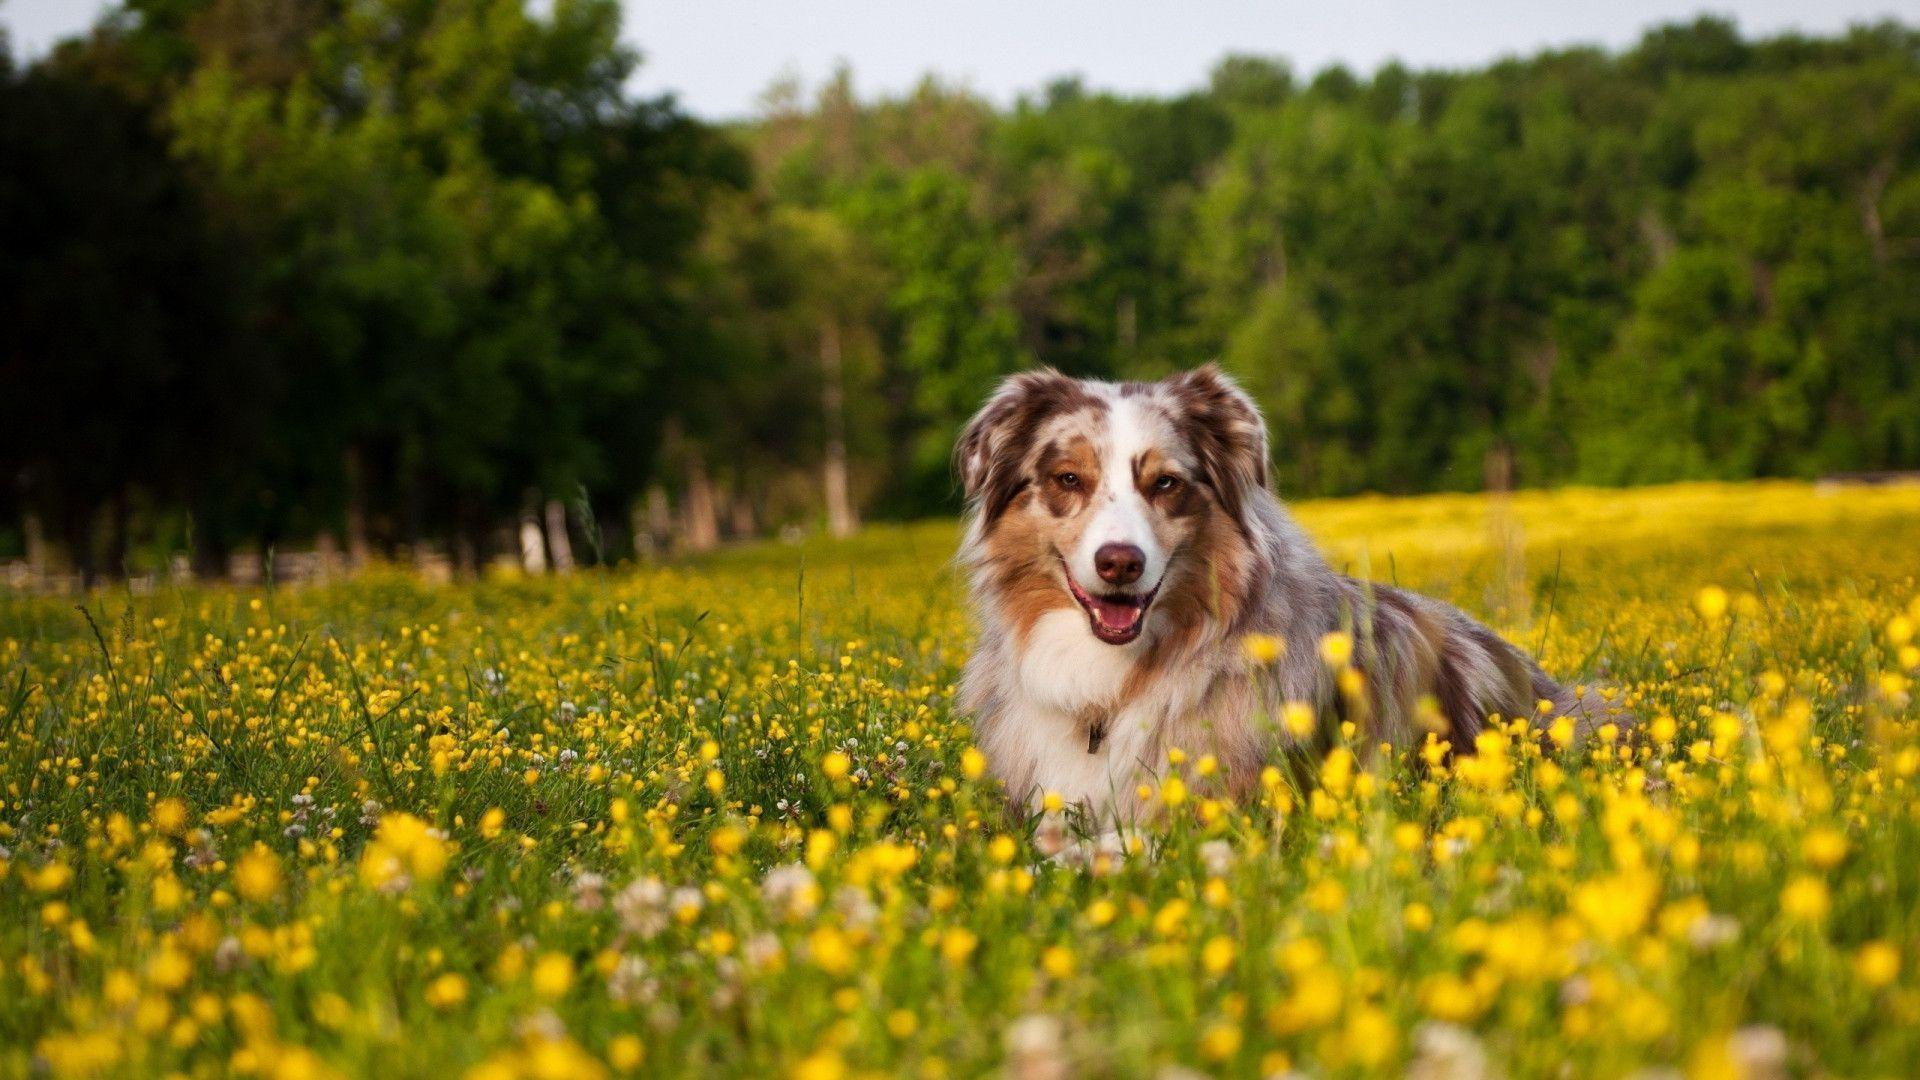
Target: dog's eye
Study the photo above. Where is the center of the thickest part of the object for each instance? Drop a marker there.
(1166, 483)
(1067, 480)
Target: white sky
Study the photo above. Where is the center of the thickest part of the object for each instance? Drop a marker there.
(719, 55)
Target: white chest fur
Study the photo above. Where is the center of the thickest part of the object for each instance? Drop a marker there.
(1064, 675)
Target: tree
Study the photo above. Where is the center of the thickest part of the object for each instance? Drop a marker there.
(127, 393)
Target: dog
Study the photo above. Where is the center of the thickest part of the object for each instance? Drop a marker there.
(1123, 548)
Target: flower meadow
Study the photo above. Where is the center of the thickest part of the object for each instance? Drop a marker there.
(719, 818)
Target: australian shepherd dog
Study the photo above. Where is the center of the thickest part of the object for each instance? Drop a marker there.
(1123, 547)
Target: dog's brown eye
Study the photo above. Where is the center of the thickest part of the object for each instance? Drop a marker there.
(1068, 480)
(1166, 483)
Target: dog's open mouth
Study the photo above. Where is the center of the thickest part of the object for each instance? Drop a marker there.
(1115, 618)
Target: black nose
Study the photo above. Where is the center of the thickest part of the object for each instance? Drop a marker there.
(1119, 564)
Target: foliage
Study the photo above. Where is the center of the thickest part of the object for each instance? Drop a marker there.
(413, 270)
(720, 819)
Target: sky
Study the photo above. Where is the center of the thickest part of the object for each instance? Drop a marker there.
(718, 56)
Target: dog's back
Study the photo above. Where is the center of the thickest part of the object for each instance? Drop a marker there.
(1124, 548)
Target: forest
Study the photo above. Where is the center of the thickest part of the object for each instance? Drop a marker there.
(381, 277)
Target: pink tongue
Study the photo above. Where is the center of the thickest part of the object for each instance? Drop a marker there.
(1115, 616)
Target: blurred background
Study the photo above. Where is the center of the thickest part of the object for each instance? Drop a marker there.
(290, 285)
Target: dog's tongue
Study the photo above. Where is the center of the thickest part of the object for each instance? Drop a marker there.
(1116, 615)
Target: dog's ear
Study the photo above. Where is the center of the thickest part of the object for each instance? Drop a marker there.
(1227, 433)
(989, 453)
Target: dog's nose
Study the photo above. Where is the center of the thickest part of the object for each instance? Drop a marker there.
(1119, 564)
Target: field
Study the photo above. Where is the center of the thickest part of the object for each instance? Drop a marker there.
(720, 819)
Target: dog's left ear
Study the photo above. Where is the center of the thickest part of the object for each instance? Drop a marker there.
(1225, 429)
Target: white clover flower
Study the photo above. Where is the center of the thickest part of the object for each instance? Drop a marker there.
(1217, 855)
(791, 890)
(1759, 1052)
(855, 907)
(589, 892)
(1443, 1051)
(1035, 1049)
(631, 982)
(642, 907)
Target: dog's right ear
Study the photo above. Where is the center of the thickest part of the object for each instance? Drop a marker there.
(989, 453)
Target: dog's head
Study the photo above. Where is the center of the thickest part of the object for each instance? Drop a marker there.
(1103, 489)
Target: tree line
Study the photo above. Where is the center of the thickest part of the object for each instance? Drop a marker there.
(399, 275)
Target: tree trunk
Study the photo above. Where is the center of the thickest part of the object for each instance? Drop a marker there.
(740, 515)
(645, 546)
(77, 531)
(701, 527)
(37, 560)
(326, 556)
(359, 549)
(1497, 467)
(114, 564)
(656, 527)
(1870, 223)
(841, 518)
(1659, 239)
(559, 546)
(466, 559)
(467, 538)
(211, 559)
(533, 548)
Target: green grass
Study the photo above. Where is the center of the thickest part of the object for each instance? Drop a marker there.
(716, 818)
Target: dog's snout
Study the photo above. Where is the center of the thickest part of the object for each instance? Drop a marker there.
(1119, 564)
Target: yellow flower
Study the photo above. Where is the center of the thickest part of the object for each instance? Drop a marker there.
(446, 991)
(835, 765)
(1263, 648)
(1617, 906)
(52, 877)
(1057, 961)
(1369, 1038)
(957, 944)
(1336, 649)
(625, 1052)
(1217, 955)
(170, 817)
(1805, 899)
(727, 840)
(257, 876)
(1824, 848)
(1171, 917)
(1877, 963)
(492, 822)
(828, 949)
(552, 975)
(1711, 602)
(169, 969)
(1173, 791)
(1220, 1041)
(1326, 896)
(168, 894)
(1001, 849)
(972, 763)
(404, 851)
(1417, 916)
(825, 1065)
